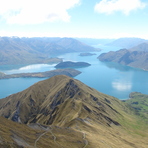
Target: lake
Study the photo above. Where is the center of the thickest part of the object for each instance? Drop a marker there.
(109, 78)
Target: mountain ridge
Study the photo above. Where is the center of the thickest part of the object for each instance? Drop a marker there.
(133, 57)
(64, 106)
(127, 42)
(16, 50)
(58, 88)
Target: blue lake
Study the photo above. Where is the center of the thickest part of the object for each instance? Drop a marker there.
(109, 78)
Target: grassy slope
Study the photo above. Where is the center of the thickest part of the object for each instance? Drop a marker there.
(88, 116)
(14, 135)
(140, 103)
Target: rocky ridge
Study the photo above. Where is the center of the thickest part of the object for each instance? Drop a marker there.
(68, 113)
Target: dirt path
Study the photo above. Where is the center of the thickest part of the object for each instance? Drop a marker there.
(85, 140)
(35, 143)
(50, 131)
(54, 138)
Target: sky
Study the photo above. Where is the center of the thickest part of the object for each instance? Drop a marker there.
(74, 18)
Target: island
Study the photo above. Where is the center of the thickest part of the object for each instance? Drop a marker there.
(86, 54)
(69, 64)
(68, 72)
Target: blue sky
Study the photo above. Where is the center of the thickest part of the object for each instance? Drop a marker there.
(74, 18)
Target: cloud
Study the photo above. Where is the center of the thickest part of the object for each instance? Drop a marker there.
(36, 11)
(125, 6)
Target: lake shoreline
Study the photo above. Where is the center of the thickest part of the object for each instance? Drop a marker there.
(111, 79)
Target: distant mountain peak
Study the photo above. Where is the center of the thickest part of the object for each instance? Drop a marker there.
(127, 42)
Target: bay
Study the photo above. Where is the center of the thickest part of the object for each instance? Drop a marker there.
(109, 78)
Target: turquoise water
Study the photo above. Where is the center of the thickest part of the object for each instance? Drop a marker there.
(109, 78)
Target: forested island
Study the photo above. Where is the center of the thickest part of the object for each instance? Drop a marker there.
(69, 64)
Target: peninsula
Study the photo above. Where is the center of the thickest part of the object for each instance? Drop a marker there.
(133, 57)
(68, 72)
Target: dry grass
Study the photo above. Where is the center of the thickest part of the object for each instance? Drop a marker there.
(74, 116)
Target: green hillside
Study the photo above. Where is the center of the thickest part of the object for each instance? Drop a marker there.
(139, 102)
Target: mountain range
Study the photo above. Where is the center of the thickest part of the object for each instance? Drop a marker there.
(64, 112)
(126, 42)
(134, 57)
(15, 50)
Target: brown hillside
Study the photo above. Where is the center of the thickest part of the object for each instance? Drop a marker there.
(58, 100)
(66, 105)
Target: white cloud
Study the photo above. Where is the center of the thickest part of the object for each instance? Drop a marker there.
(125, 6)
(36, 11)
